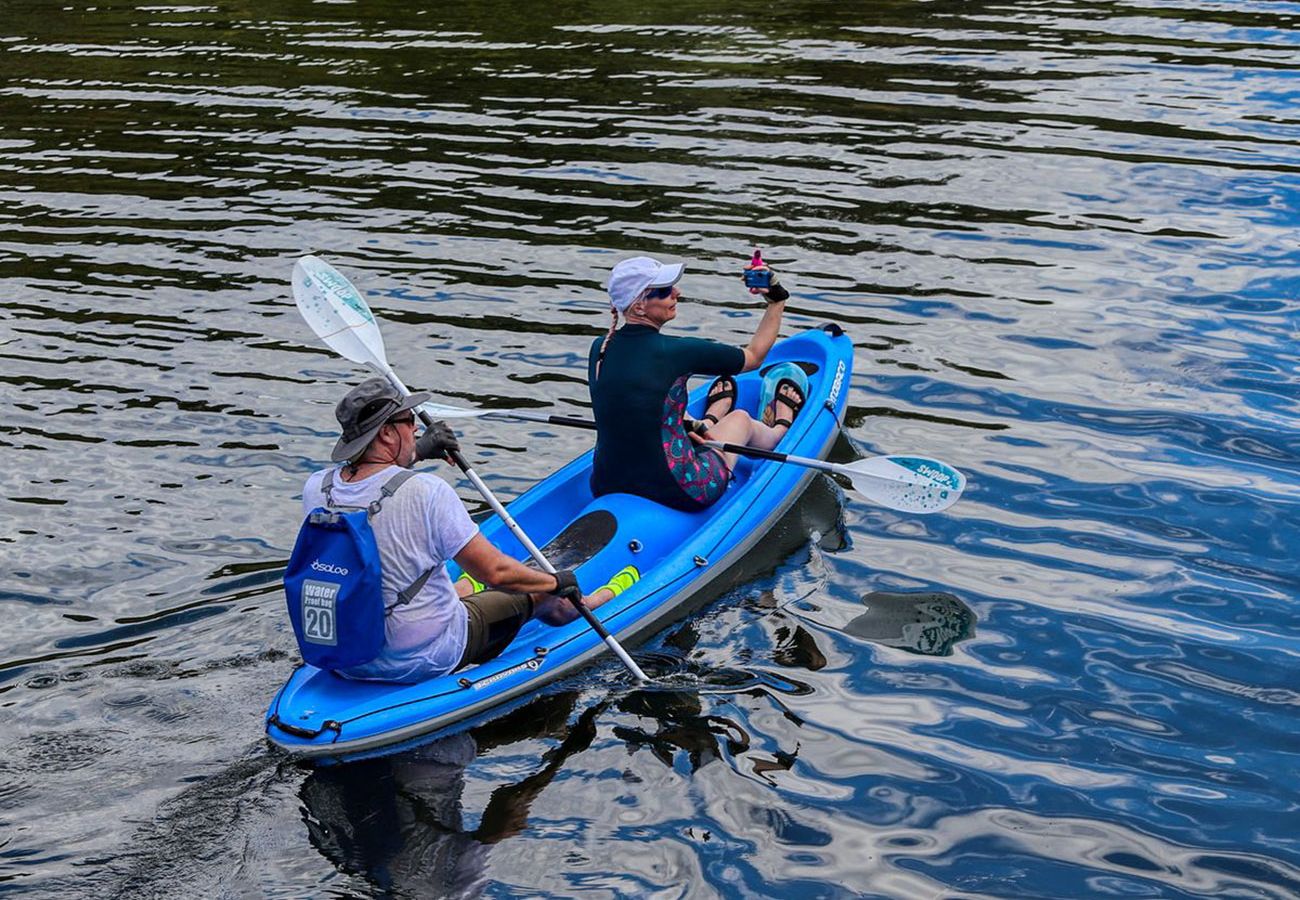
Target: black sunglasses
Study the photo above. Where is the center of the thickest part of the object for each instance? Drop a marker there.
(408, 419)
(662, 293)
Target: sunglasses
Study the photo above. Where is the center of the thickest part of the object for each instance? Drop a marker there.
(662, 293)
(408, 419)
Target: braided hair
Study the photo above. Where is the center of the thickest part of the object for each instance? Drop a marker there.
(613, 324)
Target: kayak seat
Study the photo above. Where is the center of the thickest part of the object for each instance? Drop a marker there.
(609, 533)
(644, 533)
(581, 539)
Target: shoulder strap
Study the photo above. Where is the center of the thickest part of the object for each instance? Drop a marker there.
(391, 486)
(389, 489)
(406, 596)
(327, 486)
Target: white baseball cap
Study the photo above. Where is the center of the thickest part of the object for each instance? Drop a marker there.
(632, 276)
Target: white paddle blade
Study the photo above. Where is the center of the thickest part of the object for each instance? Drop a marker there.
(336, 312)
(907, 483)
(442, 411)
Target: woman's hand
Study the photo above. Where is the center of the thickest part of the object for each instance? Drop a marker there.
(774, 292)
(696, 430)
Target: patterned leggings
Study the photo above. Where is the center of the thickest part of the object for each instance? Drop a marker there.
(700, 472)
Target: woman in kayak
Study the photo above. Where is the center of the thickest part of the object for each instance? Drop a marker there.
(637, 377)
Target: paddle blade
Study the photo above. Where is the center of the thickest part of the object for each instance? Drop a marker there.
(443, 411)
(337, 313)
(907, 483)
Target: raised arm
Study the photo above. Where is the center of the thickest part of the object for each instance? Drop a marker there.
(768, 327)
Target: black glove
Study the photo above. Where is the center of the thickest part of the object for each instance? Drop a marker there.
(695, 426)
(566, 585)
(777, 293)
(774, 292)
(437, 442)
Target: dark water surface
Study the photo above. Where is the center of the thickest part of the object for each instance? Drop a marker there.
(1062, 237)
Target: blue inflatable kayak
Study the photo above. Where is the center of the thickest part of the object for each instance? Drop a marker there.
(677, 554)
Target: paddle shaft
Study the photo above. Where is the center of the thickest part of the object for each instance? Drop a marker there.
(738, 449)
(520, 535)
(565, 421)
(756, 453)
(873, 478)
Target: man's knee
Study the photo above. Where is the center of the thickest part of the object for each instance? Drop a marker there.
(555, 611)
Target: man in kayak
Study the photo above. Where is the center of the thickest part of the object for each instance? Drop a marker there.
(418, 529)
(637, 378)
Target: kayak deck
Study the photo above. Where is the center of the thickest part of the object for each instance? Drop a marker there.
(676, 553)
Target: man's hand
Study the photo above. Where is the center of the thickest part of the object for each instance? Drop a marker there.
(566, 585)
(437, 442)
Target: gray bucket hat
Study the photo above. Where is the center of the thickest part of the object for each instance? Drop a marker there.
(364, 410)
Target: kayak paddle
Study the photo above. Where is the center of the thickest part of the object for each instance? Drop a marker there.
(342, 319)
(912, 484)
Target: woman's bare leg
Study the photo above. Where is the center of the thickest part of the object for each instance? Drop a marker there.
(739, 427)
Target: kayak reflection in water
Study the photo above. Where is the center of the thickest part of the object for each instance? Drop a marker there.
(637, 378)
(430, 627)
(399, 820)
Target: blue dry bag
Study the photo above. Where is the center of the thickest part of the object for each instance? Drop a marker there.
(332, 583)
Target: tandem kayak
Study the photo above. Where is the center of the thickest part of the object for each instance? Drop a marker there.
(319, 714)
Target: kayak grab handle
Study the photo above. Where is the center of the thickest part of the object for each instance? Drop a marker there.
(305, 733)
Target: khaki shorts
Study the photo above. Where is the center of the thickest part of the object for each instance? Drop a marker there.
(495, 617)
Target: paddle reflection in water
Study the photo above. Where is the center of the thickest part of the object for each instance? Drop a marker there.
(398, 821)
(681, 725)
(928, 624)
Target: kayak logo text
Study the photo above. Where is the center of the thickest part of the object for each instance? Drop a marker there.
(535, 663)
(318, 566)
(837, 384)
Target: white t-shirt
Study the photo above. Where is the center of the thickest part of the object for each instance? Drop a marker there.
(420, 527)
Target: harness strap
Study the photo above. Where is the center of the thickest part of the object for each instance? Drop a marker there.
(391, 486)
(327, 487)
(406, 596)
(389, 489)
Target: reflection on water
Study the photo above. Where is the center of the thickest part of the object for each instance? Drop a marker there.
(1061, 238)
(680, 722)
(928, 624)
(399, 820)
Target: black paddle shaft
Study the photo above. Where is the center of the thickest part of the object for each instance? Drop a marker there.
(756, 453)
(569, 422)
